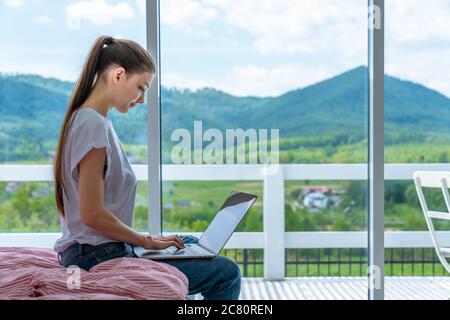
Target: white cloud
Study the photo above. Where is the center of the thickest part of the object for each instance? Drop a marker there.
(427, 67)
(417, 41)
(187, 15)
(259, 81)
(326, 33)
(254, 80)
(42, 20)
(141, 6)
(292, 26)
(417, 22)
(251, 80)
(98, 12)
(325, 36)
(176, 80)
(13, 3)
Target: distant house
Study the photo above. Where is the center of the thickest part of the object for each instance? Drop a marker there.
(315, 201)
(312, 189)
(318, 198)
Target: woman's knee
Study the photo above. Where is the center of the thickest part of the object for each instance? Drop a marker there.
(228, 268)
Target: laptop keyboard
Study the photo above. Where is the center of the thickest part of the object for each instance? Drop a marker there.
(190, 250)
(194, 250)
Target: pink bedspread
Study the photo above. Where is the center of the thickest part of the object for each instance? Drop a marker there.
(34, 273)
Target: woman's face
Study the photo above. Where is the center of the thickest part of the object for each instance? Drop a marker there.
(129, 89)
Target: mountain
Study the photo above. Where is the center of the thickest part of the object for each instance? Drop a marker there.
(32, 108)
(340, 103)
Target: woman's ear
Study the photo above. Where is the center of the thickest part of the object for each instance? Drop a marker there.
(118, 74)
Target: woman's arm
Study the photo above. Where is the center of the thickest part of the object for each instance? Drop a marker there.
(94, 214)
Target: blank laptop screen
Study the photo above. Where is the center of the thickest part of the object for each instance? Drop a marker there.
(226, 221)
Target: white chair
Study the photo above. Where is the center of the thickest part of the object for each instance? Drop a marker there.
(441, 180)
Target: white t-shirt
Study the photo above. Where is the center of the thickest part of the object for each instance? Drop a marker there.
(90, 129)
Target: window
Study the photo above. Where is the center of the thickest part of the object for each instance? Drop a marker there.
(295, 69)
(39, 63)
(417, 100)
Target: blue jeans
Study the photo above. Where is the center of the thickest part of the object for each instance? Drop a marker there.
(86, 256)
(216, 279)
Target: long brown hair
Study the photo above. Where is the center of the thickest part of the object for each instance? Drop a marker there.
(105, 52)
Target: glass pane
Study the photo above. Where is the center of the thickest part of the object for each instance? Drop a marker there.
(297, 69)
(44, 45)
(30, 207)
(417, 104)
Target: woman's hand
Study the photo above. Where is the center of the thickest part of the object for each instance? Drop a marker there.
(161, 242)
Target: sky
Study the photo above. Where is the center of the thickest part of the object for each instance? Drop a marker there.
(246, 48)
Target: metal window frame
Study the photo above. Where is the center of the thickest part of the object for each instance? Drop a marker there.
(376, 153)
(154, 122)
(375, 148)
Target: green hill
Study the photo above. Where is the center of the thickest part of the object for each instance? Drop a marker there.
(333, 111)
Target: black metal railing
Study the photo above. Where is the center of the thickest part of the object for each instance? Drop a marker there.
(341, 262)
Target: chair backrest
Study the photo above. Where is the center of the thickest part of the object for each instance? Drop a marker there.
(441, 180)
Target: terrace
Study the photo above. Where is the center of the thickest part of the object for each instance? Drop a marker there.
(291, 258)
(340, 86)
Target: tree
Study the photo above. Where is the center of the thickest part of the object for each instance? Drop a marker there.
(341, 224)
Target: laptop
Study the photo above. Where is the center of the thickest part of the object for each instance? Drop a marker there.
(215, 236)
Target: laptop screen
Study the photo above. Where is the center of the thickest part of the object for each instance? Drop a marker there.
(226, 221)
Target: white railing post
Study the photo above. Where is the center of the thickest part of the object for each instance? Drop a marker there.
(273, 212)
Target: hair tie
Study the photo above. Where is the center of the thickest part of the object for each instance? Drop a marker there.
(109, 41)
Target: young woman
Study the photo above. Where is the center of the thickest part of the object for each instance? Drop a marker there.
(95, 186)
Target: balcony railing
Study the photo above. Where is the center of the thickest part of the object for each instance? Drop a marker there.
(274, 240)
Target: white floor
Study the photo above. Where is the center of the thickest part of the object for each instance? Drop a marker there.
(344, 288)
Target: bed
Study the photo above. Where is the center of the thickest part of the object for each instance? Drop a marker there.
(35, 274)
